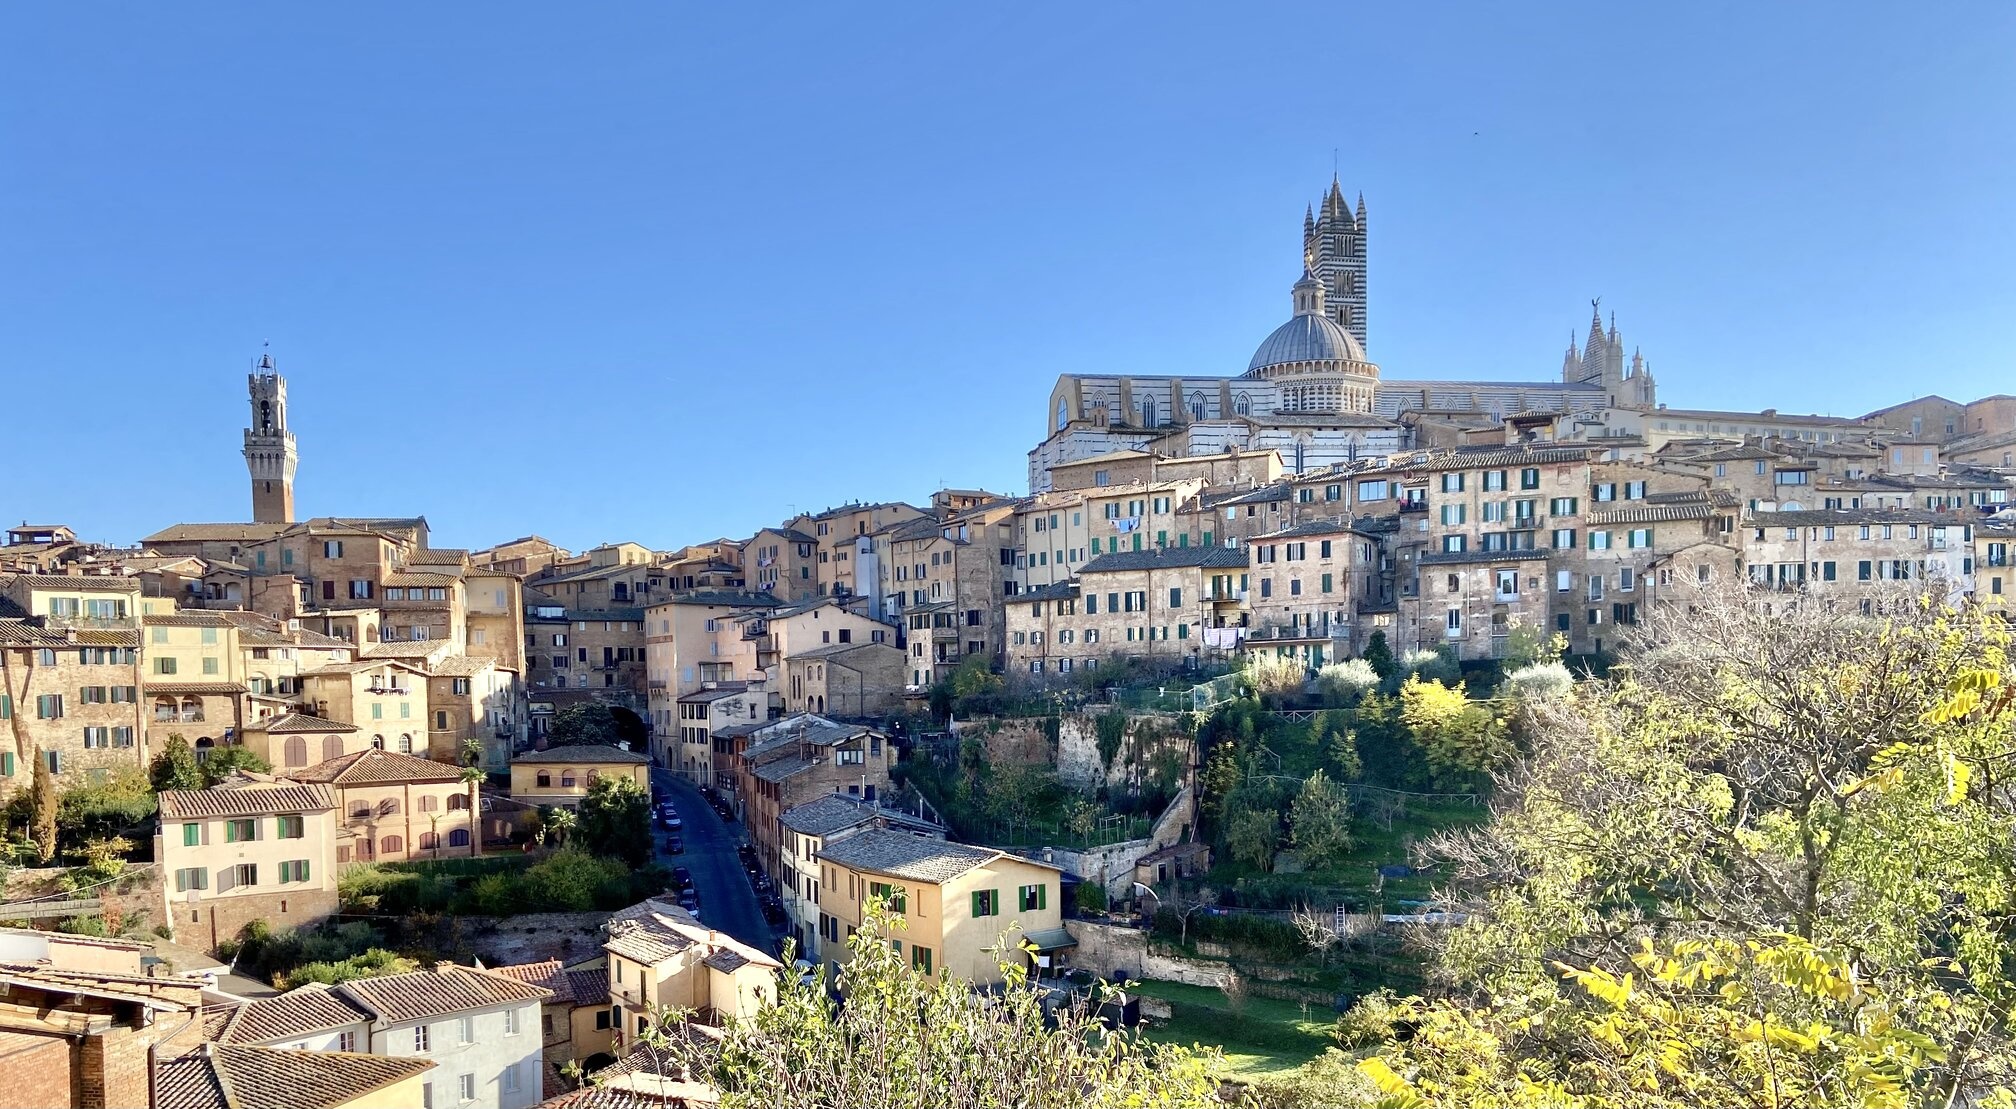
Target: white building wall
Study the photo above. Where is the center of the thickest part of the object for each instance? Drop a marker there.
(487, 1055)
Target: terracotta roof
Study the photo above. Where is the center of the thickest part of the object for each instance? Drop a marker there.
(447, 988)
(298, 722)
(570, 987)
(246, 800)
(218, 688)
(463, 666)
(21, 633)
(1458, 558)
(1654, 513)
(1815, 517)
(407, 649)
(225, 1076)
(589, 987)
(1166, 558)
(289, 1016)
(654, 930)
(80, 582)
(188, 533)
(364, 767)
(584, 753)
(185, 620)
(439, 556)
(901, 855)
(411, 577)
(101, 637)
(837, 812)
(171, 995)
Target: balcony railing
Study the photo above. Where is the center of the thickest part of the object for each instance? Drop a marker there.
(171, 716)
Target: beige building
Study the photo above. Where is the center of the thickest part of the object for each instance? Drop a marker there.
(194, 677)
(691, 749)
(660, 957)
(576, 1024)
(782, 562)
(70, 679)
(841, 539)
(1845, 551)
(563, 775)
(845, 679)
(473, 699)
(1152, 604)
(386, 699)
(945, 580)
(804, 831)
(787, 762)
(955, 903)
(523, 556)
(688, 640)
(297, 740)
(1308, 586)
(395, 807)
(1994, 555)
(253, 848)
(224, 1076)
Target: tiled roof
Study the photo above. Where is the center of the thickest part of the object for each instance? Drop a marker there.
(837, 812)
(720, 693)
(248, 800)
(726, 961)
(194, 533)
(408, 649)
(21, 633)
(298, 722)
(588, 987)
(185, 620)
(582, 754)
(653, 930)
(570, 987)
(804, 728)
(363, 767)
(1817, 517)
(290, 1016)
(104, 637)
(1494, 457)
(360, 666)
(1056, 591)
(80, 582)
(224, 1076)
(739, 598)
(420, 578)
(1168, 558)
(445, 989)
(463, 666)
(835, 650)
(212, 688)
(1654, 513)
(439, 556)
(901, 855)
(1313, 527)
(1457, 558)
(782, 769)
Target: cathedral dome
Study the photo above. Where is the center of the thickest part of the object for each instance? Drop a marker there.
(1307, 337)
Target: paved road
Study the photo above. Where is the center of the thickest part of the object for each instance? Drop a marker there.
(726, 900)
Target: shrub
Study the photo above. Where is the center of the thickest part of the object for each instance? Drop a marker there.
(1091, 897)
(1542, 681)
(368, 964)
(1343, 683)
(1430, 666)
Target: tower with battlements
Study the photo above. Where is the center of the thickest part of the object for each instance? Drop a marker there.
(269, 446)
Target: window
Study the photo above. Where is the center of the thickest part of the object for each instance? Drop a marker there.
(164, 664)
(422, 1037)
(1453, 623)
(1564, 539)
(1599, 540)
(245, 874)
(1561, 506)
(1032, 898)
(468, 1082)
(192, 878)
(986, 903)
(1529, 478)
(290, 827)
(1452, 483)
(920, 960)
(508, 1081)
(294, 871)
(465, 1030)
(241, 831)
(510, 1022)
(893, 896)
(192, 835)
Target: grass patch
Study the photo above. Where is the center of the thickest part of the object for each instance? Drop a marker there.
(1265, 1037)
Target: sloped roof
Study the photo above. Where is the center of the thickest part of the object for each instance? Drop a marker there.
(901, 855)
(298, 722)
(653, 930)
(226, 1076)
(837, 812)
(570, 987)
(245, 800)
(80, 582)
(290, 1016)
(582, 754)
(1168, 558)
(364, 767)
(446, 988)
(211, 533)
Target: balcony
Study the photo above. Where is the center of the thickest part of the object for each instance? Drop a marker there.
(171, 716)
(1413, 506)
(1227, 597)
(1505, 598)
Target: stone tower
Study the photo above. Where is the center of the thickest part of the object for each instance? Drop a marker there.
(1601, 362)
(1333, 247)
(269, 446)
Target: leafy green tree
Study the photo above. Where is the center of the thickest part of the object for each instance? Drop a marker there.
(904, 1040)
(1252, 835)
(1275, 678)
(1320, 820)
(1345, 683)
(119, 805)
(583, 725)
(560, 823)
(175, 767)
(1461, 738)
(1220, 778)
(615, 820)
(1342, 755)
(1379, 655)
(226, 761)
(1765, 862)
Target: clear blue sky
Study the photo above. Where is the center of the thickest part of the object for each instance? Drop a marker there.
(664, 271)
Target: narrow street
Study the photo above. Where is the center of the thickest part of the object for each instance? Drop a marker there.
(727, 901)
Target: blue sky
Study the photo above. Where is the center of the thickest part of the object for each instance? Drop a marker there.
(662, 272)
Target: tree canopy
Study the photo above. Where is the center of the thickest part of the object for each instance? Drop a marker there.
(614, 820)
(584, 725)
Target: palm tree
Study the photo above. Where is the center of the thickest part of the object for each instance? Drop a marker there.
(561, 824)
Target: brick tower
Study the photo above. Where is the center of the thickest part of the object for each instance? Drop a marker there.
(269, 446)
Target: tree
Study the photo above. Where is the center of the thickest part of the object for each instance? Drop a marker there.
(1320, 820)
(43, 805)
(615, 820)
(1275, 678)
(1764, 862)
(1344, 683)
(583, 725)
(1379, 655)
(1342, 755)
(904, 1040)
(1460, 737)
(1252, 834)
(175, 767)
(226, 761)
(560, 824)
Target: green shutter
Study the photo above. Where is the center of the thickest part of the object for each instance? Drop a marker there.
(7, 764)
(192, 835)
(979, 903)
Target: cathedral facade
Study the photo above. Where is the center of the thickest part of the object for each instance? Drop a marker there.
(1310, 390)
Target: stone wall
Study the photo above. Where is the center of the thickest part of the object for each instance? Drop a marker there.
(1113, 951)
(1026, 740)
(207, 923)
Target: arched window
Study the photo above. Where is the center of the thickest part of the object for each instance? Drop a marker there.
(164, 710)
(192, 708)
(364, 849)
(297, 751)
(1242, 404)
(567, 779)
(458, 802)
(430, 841)
(203, 745)
(360, 810)
(332, 747)
(1197, 405)
(406, 743)
(545, 780)
(1148, 412)
(1301, 454)
(388, 807)
(378, 742)
(391, 845)
(429, 802)
(1063, 412)
(458, 837)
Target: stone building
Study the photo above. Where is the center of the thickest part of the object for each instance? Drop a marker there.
(1309, 585)
(786, 762)
(692, 748)
(194, 682)
(253, 848)
(473, 699)
(297, 740)
(804, 831)
(70, 678)
(845, 679)
(944, 580)
(86, 1037)
(783, 562)
(393, 807)
(1847, 551)
(385, 698)
(1149, 604)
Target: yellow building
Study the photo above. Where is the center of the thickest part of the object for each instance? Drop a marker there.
(563, 775)
(1994, 555)
(385, 698)
(660, 957)
(954, 902)
(298, 740)
(575, 1024)
(395, 807)
(250, 849)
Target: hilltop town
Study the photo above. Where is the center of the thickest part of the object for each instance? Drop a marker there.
(307, 797)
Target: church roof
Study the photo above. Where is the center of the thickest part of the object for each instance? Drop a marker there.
(1307, 337)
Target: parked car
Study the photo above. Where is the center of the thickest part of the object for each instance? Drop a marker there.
(675, 845)
(682, 878)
